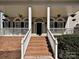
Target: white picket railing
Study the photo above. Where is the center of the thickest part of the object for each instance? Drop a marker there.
(24, 43)
(62, 30)
(54, 43)
(13, 31)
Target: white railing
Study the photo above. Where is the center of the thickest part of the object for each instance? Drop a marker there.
(54, 43)
(24, 43)
(62, 30)
(13, 31)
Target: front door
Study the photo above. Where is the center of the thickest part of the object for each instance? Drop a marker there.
(39, 28)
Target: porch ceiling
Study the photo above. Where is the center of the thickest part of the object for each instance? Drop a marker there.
(36, 1)
(39, 0)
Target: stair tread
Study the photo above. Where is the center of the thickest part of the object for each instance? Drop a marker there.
(37, 50)
(43, 47)
(38, 41)
(38, 57)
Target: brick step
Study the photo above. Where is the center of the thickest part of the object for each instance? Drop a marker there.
(37, 48)
(39, 57)
(38, 38)
(36, 53)
(37, 44)
(38, 41)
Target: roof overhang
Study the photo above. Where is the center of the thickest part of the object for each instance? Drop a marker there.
(37, 1)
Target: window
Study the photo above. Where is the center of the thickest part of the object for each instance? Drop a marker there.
(17, 23)
(55, 24)
(26, 24)
(6, 23)
(51, 24)
(73, 58)
(60, 23)
(17, 19)
(22, 24)
(25, 21)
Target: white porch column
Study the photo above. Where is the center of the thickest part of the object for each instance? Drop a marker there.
(48, 17)
(1, 21)
(30, 17)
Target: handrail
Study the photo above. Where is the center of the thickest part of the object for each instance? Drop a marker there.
(54, 43)
(24, 43)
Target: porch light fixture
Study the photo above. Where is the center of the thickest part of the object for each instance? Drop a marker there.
(58, 15)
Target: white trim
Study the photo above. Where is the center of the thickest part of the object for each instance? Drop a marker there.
(17, 18)
(25, 18)
(39, 22)
(12, 35)
(1, 21)
(48, 17)
(53, 19)
(30, 17)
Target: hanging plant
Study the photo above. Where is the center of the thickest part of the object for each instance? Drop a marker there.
(58, 15)
(20, 15)
(5, 15)
(72, 15)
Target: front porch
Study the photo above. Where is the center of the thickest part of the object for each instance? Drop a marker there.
(27, 32)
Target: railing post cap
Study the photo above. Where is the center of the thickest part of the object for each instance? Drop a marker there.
(21, 42)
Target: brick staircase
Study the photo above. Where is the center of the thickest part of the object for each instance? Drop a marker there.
(38, 49)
